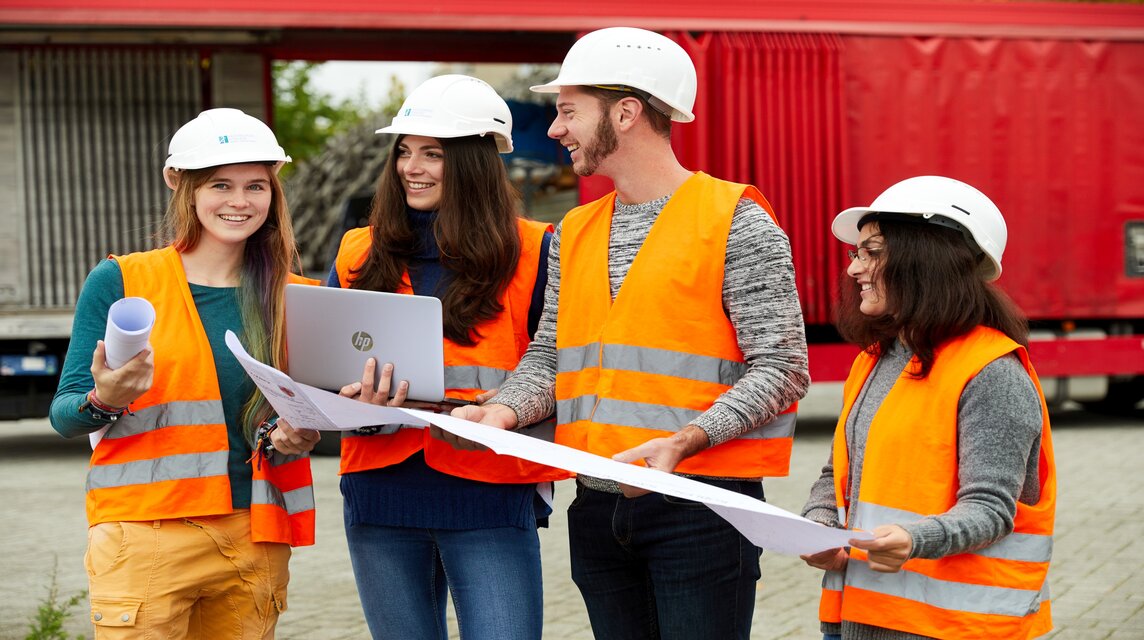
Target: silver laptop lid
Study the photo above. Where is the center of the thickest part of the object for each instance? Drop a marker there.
(331, 332)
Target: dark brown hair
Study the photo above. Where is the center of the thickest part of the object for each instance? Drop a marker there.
(476, 231)
(929, 277)
(659, 122)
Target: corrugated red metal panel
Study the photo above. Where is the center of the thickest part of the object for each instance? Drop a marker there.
(1020, 19)
(769, 113)
(1050, 130)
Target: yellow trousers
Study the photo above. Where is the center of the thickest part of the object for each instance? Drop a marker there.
(198, 577)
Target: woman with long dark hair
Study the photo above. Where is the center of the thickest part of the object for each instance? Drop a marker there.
(422, 518)
(943, 450)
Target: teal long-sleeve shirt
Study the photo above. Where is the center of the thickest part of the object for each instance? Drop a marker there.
(219, 311)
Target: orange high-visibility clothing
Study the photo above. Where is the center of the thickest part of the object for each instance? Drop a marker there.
(650, 362)
(168, 457)
(469, 371)
(909, 472)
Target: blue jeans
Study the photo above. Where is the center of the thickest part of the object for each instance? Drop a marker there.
(661, 567)
(403, 574)
(832, 636)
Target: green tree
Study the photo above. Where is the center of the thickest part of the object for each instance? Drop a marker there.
(305, 118)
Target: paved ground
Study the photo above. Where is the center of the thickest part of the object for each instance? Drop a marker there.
(1097, 577)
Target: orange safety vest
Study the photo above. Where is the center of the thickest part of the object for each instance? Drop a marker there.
(910, 471)
(168, 457)
(469, 371)
(650, 362)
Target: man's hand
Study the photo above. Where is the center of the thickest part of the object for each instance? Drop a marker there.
(889, 549)
(494, 415)
(829, 560)
(120, 387)
(286, 439)
(663, 454)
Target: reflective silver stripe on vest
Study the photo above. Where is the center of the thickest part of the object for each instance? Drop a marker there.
(180, 412)
(677, 364)
(1023, 547)
(657, 416)
(955, 596)
(474, 377)
(832, 580)
(181, 466)
(294, 501)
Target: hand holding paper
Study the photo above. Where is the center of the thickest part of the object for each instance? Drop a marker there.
(129, 324)
(764, 525)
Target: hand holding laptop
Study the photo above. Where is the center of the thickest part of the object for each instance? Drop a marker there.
(373, 390)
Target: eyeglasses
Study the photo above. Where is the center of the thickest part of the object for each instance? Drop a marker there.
(863, 254)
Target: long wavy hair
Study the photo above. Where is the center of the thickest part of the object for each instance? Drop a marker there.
(475, 227)
(929, 277)
(268, 258)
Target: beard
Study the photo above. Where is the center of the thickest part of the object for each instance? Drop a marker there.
(604, 143)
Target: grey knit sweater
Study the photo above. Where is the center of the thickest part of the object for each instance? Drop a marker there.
(759, 297)
(998, 443)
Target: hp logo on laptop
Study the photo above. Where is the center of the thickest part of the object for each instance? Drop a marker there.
(361, 341)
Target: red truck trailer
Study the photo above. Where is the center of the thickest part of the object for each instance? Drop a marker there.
(822, 105)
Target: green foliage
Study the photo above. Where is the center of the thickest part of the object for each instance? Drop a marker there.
(304, 118)
(48, 623)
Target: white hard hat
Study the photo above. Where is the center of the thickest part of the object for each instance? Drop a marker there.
(454, 106)
(223, 136)
(636, 58)
(937, 200)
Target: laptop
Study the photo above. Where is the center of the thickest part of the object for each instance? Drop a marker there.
(331, 332)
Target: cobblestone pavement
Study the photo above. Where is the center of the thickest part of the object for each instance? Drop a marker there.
(1097, 576)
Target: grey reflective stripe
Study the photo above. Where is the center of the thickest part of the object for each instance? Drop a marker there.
(955, 596)
(474, 377)
(678, 364)
(176, 467)
(573, 409)
(657, 416)
(576, 358)
(833, 580)
(182, 412)
(294, 501)
(1024, 547)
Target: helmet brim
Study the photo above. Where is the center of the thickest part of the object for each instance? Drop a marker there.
(429, 131)
(218, 160)
(678, 114)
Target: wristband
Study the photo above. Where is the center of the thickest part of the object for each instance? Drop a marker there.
(100, 411)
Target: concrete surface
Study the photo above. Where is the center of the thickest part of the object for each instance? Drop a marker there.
(1097, 576)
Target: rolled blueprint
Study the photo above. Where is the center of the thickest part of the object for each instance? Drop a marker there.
(129, 323)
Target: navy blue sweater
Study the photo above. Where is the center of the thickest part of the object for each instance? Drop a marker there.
(413, 494)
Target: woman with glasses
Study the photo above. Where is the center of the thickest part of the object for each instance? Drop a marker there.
(943, 449)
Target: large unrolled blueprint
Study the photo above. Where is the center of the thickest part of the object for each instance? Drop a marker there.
(765, 525)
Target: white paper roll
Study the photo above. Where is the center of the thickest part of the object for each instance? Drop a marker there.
(129, 323)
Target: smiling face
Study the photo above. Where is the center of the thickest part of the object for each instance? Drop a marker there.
(583, 126)
(233, 203)
(421, 168)
(864, 268)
